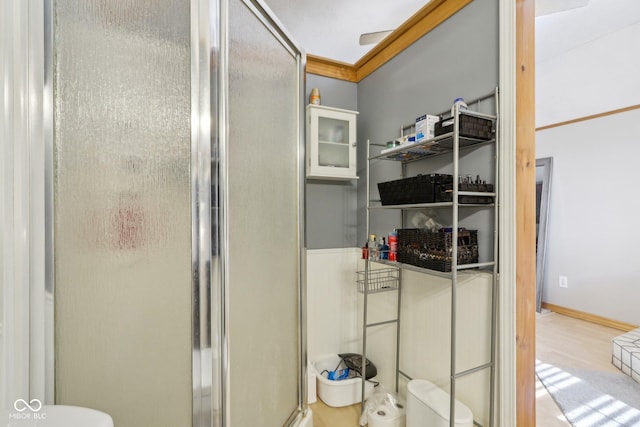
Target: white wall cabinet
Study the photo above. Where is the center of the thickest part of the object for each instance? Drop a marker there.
(331, 143)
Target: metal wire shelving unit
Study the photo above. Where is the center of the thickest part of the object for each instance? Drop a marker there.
(450, 143)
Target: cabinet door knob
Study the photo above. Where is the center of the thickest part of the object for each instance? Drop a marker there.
(354, 144)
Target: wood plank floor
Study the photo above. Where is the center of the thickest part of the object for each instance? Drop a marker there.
(326, 416)
(567, 342)
(560, 341)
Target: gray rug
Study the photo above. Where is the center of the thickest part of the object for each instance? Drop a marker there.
(591, 398)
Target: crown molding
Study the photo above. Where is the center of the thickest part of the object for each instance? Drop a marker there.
(422, 22)
(330, 68)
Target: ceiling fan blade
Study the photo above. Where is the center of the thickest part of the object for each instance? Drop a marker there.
(373, 38)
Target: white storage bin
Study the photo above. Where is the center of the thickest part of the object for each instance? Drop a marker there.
(342, 392)
(311, 384)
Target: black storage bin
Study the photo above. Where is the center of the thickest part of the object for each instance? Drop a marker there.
(470, 127)
(444, 193)
(416, 189)
(433, 250)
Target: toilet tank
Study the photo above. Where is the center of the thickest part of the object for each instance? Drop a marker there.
(429, 405)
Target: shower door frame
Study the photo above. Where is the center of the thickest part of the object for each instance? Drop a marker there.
(24, 341)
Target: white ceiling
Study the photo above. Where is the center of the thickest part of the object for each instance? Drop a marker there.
(331, 28)
(560, 32)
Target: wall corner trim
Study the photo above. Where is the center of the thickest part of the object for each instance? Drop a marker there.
(525, 214)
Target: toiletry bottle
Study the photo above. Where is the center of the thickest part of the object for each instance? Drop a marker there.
(373, 247)
(462, 106)
(384, 251)
(314, 97)
(365, 251)
(393, 246)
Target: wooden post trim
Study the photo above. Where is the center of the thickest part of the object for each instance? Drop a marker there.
(525, 215)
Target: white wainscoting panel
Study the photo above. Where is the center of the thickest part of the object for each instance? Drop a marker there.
(335, 309)
(332, 312)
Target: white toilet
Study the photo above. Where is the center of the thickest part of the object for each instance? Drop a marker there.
(428, 406)
(72, 416)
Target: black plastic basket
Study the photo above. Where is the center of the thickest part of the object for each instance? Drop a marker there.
(416, 189)
(444, 193)
(470, 127)
(433, 250)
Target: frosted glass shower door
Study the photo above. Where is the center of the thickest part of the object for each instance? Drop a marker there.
(122, 209)
(263, 221)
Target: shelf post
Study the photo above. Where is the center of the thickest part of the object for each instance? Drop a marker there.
(454, 261)
(363, 365)
(494, 287)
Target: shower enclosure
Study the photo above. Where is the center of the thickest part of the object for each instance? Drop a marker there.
(152, 219)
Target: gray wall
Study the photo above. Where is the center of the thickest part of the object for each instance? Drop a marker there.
(591, 236)
(331, 205)
(457, 59)
(591, 230)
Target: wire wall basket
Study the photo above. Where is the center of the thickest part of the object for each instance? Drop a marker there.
(380, 280)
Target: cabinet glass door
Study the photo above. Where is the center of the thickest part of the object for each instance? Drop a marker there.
(333, 142)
